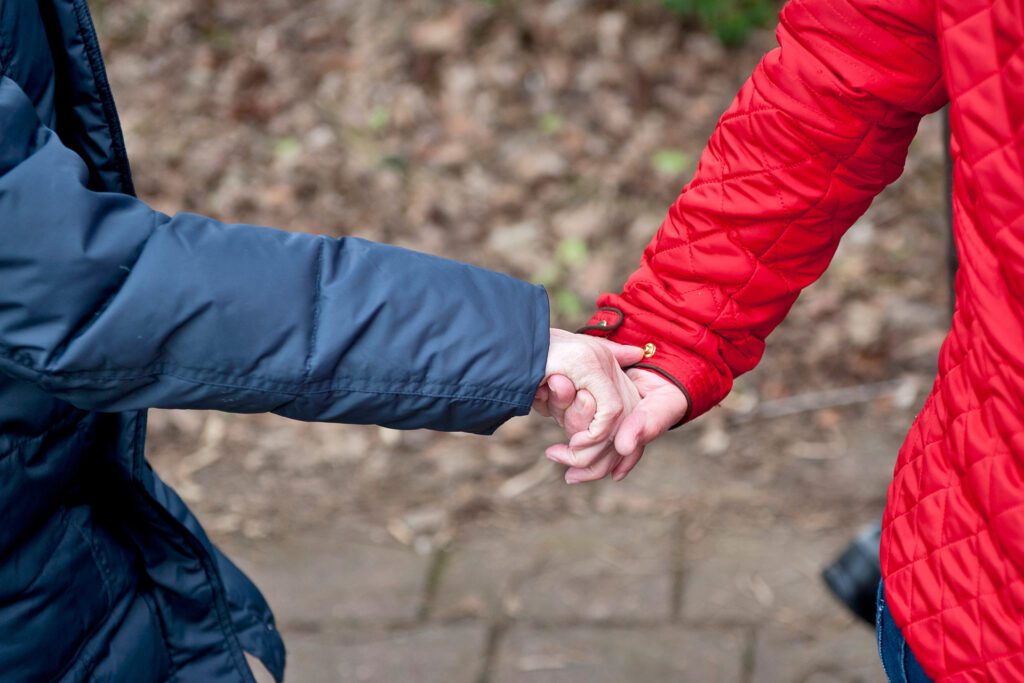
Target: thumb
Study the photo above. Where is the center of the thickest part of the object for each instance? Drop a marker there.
(651, 418)
(563, 391)
(581, 413)
(624, 355)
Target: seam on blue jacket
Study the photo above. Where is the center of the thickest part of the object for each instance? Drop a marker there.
(215, 584)
(98, 560)
(223, 612)
(545, 308)
(136, 445)
(6, 50)
(82, 658)
(87, 34)
(315, 326)
(154, 611)
(273, 385)
(344, 390)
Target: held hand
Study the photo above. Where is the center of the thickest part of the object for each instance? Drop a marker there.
(592, 367)
(662, 405)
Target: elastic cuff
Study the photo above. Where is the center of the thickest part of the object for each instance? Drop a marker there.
(541, 342)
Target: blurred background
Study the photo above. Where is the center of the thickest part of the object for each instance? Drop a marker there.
(545, 139)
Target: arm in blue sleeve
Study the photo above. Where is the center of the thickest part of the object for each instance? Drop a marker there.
(113, 306)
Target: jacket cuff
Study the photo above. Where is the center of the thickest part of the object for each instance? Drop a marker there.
(700, 381)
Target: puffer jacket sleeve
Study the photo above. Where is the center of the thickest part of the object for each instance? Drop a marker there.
(113, 306)
(822, 126)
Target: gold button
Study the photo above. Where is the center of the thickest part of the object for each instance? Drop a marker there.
(649, 349)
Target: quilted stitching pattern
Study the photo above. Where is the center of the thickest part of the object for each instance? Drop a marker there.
(822, 126)
(953, 550)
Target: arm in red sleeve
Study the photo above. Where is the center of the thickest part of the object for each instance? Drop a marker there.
(820, 128)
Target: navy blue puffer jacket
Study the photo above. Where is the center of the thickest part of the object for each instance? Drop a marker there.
(108, 308)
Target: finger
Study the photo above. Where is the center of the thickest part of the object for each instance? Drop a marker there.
(562, 394)
(631, 432)
(562, 390)
(586, 453)
(559, 453)
(598, 470)
(626, 465)
(609, 410)
(580, 414)
(624, 355)
(650, 419)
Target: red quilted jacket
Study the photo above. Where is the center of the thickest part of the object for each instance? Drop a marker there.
(821, 126)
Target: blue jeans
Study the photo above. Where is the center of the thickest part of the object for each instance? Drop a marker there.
(898, 661)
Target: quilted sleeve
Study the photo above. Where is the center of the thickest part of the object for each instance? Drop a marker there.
(113, 306)
(821, 127)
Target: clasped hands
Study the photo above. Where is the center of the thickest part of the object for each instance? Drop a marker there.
(609, 411)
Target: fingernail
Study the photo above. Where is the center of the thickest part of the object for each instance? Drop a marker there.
(619, 477)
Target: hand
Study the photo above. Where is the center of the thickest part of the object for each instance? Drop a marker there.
(589, 366)
(662, 405)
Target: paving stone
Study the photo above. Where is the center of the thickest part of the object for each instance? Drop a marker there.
(756, 575)
(595, 568)
(618, 655)
(340, 572)
(844, 655)
(432, 654)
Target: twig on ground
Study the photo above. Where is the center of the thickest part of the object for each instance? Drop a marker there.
(903, 391)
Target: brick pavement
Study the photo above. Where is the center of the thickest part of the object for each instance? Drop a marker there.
(722, 590)
(592, 600)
